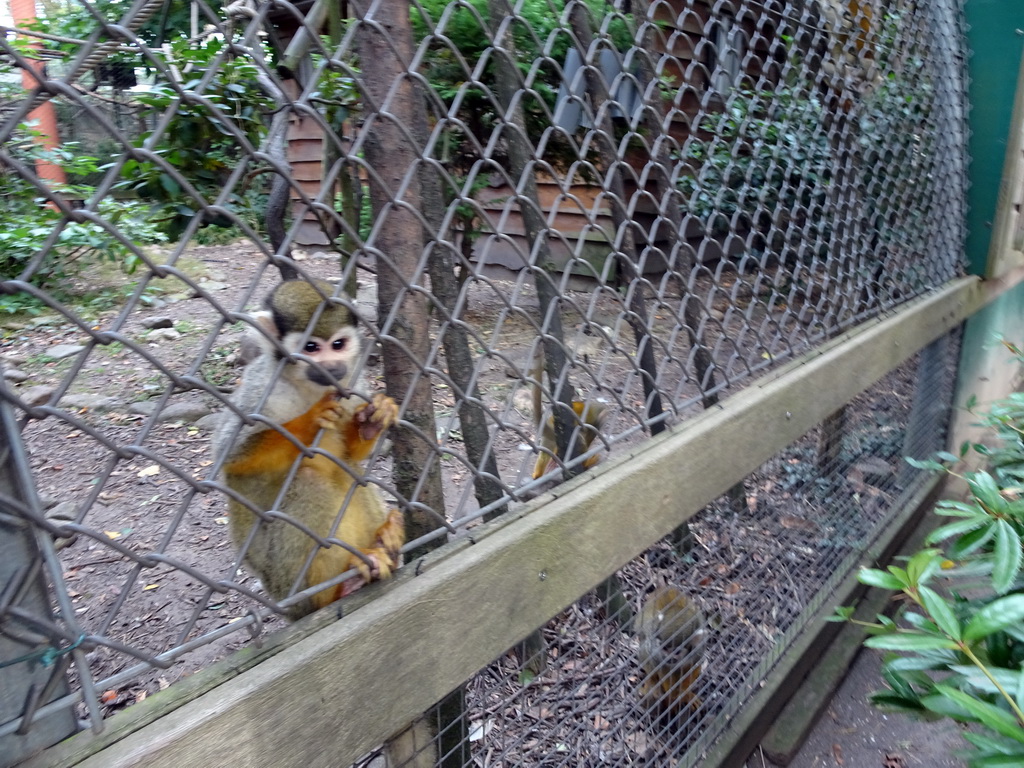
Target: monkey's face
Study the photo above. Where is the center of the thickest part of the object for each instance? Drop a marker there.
(327, 362)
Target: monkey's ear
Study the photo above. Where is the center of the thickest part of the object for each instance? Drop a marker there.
(261, 333)
(265, 320)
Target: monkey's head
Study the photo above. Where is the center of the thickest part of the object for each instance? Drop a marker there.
(669, 622)
(328, 353)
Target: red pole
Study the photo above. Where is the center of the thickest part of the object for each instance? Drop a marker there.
(44, 116)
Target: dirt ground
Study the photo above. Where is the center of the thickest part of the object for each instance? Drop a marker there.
(853, 734)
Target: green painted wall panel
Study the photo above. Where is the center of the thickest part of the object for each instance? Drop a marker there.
(996, 39)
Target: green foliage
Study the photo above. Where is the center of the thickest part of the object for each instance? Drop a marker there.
(960, 632)
(201, 145)
(20, 304)
(459, 37)
(891, 136)
(29, 222)
(337, 94)
(766, 162)
(895, 138)
(71, 19)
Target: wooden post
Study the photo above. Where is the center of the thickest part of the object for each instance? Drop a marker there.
(44, 116)
(26, 682)
(1007, 243)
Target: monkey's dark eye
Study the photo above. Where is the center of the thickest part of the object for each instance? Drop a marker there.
(339, 344)
(311, 347)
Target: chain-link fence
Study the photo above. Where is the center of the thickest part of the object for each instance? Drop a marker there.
(564, 226)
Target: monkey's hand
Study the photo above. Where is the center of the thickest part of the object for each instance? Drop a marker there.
(376, 416)
(330, 412)
(269, 450)
(367, 424)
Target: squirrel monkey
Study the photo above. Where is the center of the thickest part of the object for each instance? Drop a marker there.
(590, 418)
(671, 632)
(312, 394)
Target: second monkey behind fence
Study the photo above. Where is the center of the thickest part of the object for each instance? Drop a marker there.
(589, 416)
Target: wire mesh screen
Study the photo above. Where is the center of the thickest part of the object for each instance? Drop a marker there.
(702, 616)
(562, 226)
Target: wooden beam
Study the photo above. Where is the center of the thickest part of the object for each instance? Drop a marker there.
(342, 690)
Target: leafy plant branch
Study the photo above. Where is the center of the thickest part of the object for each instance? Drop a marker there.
(956, 645)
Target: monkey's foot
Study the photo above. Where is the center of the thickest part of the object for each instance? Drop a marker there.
(381, 564)
(391, 535)
(384, 558)
(544, 464)
(376, 416)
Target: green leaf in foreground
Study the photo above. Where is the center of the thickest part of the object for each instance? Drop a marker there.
(989, 715)
(876, 578)
(985, 489)
(1007, 562)
(909, 642)
(940, 611)
(995, 616)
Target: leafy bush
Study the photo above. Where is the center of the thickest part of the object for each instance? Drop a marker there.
(460, 37)
(893, 134)
(196, 143)
(29, 222)
(72, 20)
(960, 630)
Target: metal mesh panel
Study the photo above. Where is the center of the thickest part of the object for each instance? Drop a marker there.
(708, 611)
(634, 207)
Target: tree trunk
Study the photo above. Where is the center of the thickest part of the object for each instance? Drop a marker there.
(392, 101)
(472, 414)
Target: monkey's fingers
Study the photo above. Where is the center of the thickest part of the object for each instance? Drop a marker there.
(331, 413)
(382, 564)
(376, 416)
